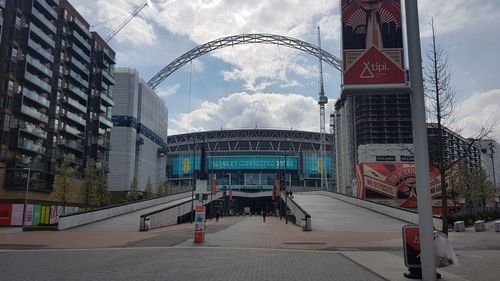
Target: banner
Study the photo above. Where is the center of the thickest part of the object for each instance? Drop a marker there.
(214, 186)
(372, 42)
(391, 180)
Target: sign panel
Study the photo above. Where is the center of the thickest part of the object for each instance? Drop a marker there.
(17, 215)
(199, 224)
(314, 164)
(252, 163)
(393, 180)
(411, 246)
(372, 42)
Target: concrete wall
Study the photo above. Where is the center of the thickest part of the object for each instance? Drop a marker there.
(397, 213)
(151, 166)
(121, 158)
(78, 219)
(169, 215)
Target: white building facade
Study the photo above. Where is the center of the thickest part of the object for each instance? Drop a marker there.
(138, 137)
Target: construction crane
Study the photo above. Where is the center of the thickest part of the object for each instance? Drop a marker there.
(322, 101)
(125, 22)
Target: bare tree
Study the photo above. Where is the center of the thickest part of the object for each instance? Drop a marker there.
(90, 182)
(134, 192)
(484, 190)
(442, 112)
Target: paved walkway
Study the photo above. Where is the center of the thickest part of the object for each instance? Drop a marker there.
(368, 244)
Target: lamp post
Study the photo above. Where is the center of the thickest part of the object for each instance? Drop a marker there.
(193, 179)
(26, 195)
(286, 191)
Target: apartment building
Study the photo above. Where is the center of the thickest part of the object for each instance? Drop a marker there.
(56, 99)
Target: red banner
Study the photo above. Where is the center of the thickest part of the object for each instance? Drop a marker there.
(372, 42)
(214, 186)
(392, 180)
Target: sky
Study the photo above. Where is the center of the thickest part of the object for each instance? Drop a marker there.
(272, 86)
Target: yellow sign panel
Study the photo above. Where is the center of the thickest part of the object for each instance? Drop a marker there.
(320, 165)
(186, 166)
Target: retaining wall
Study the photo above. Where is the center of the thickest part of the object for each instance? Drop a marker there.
(77, 219)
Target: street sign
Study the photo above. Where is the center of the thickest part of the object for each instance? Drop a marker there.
(411, 246)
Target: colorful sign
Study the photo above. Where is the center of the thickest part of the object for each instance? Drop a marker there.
(372, 42)
(214, 186)
(182, 165)
(392, 180)
(411, 246)
(199, 224)
(314, 164)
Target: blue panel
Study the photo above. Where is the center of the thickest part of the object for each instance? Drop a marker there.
(313, 164)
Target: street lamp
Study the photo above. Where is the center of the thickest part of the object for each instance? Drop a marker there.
(286, 191)
(26, 195)
(193, 179)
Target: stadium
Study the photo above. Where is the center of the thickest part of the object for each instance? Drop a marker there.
(251, 159)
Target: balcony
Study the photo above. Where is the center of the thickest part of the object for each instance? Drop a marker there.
(103, 143)
(53, 2)
(40, 50)
(75, 118)
(107, 99)
(82, 68)
(42, 35)
(102, 108)
(108, 56)
(75, 90)
(43, 20)
(71, 144)
(75, 104)
(81, 40)
(102, 131)
(31, 146)
(105, 121)
(81, 27)
(77, 78)
(73, 131)
(39, 66)
(33, 130)
(36, 98)
(107, 77)
(80, 53)
(32, 112)
(46, 9)
(33, 79)
(27, 162)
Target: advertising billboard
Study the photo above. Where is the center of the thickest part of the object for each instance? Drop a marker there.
(391, 180)
(182, 165)
(372, 43)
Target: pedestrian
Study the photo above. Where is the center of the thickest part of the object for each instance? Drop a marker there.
(217, 216)
(264, 215)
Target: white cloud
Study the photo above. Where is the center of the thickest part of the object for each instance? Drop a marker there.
(454, 15)
(481, 109)
(169, 90)
(243, 110)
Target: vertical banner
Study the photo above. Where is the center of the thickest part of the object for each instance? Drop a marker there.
(17, 215)
(28, 219)
(5, 214)
(37, 214)
(53, 214)
(214, 186)
(230, 195)
(372, 43)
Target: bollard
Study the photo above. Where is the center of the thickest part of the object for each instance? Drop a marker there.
(459, 226)
(497, 226)
(479, 226)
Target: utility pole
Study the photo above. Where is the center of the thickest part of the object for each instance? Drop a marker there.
(322, 101)
(426, 227)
